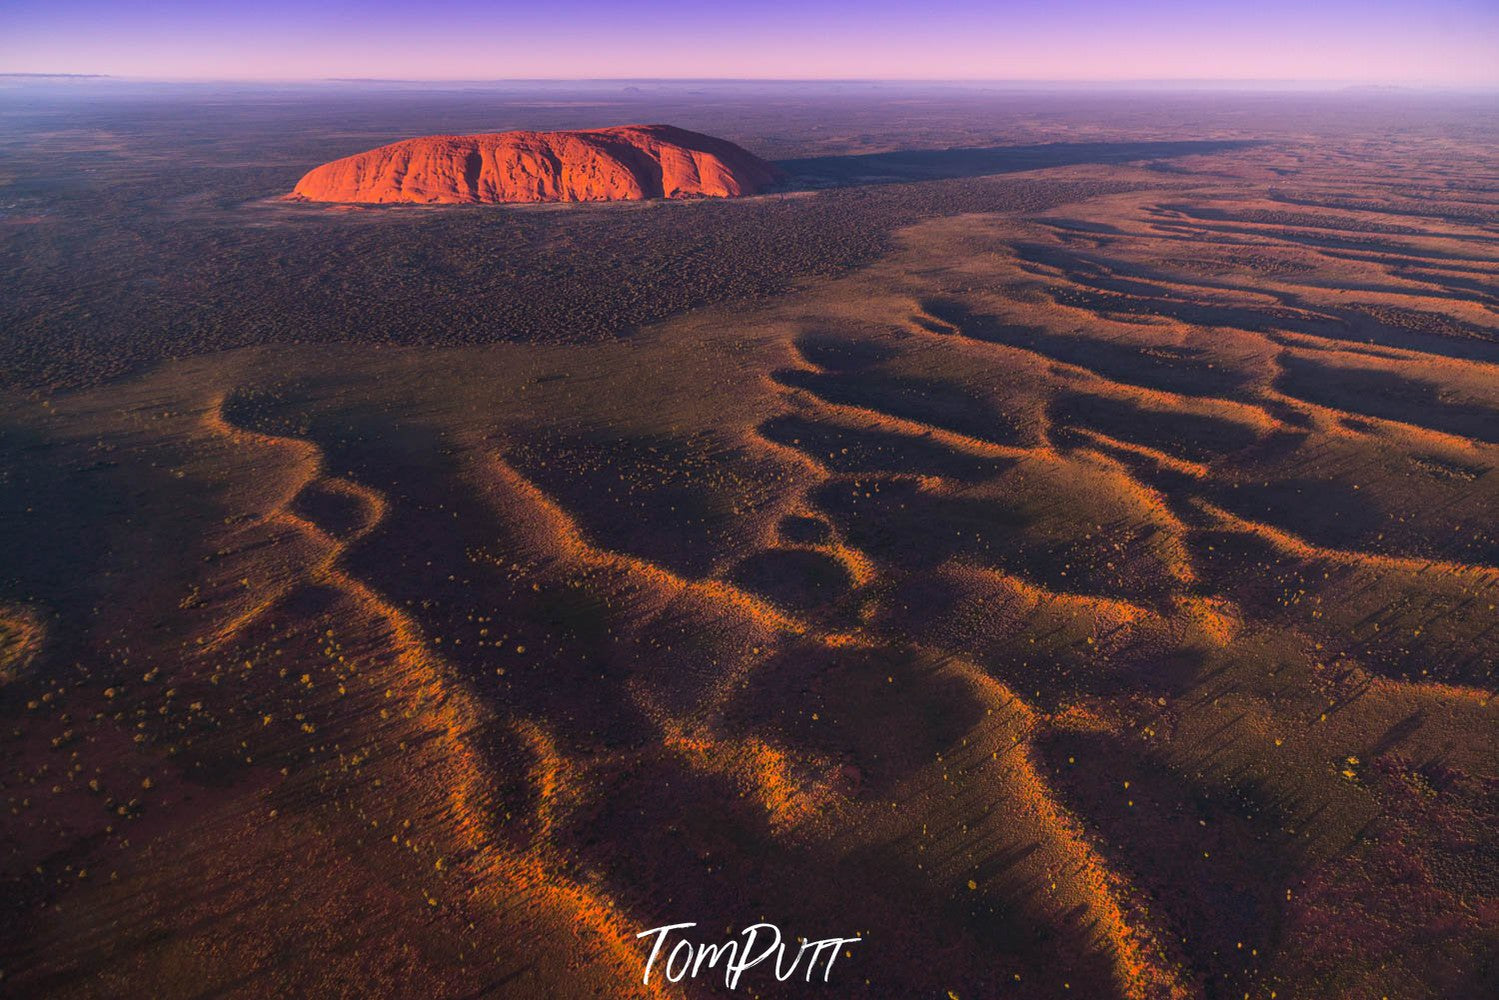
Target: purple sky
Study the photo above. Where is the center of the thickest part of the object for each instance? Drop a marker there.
(1443, 42)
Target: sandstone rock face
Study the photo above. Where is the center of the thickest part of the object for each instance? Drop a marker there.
(626, 163)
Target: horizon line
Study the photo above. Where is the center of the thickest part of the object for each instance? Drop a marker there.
(1250, 83)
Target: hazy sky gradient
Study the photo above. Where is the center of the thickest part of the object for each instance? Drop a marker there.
(1441, 42)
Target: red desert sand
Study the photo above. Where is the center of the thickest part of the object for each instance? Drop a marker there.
(625, 163)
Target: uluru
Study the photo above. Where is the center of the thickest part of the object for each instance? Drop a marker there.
(624, 163)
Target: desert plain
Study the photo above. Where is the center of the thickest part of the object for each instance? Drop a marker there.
(1052, 536)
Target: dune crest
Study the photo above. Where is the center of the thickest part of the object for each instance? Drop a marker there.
(624, 163)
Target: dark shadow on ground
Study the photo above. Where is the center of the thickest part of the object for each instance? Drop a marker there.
(941, 164)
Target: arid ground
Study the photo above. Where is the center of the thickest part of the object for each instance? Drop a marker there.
(1056, 539)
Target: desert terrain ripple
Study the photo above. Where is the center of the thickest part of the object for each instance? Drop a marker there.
(1095, 600)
